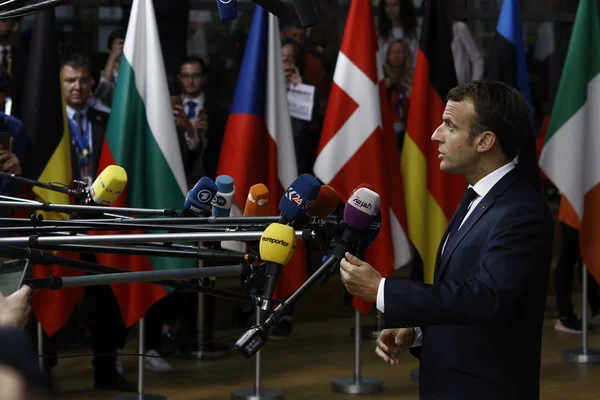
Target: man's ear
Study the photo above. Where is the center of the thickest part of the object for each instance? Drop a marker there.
(485, 141)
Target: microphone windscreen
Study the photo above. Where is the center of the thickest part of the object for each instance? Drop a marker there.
(223, 200)
(257, 203)
(108, 185)
(299, 196)
(199, 198)
(326, 202)
(227, 9)
(361, 208)
(277, 243)
(369, 234)
(306, 12)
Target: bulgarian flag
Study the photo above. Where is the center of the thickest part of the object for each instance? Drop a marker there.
(142, 138)
(570, 156)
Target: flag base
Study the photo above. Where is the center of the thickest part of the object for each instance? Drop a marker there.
(262, 394)
(353, 386)
(580, 356)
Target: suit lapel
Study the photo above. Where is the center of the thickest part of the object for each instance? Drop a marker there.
(484, 205)
(98, 132)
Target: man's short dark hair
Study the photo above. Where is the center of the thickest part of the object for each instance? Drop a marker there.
(499, 108)
(196, 60)
(77, 60)
(114, 35)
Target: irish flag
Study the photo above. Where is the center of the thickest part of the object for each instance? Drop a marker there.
(570, 157)
(141, 138)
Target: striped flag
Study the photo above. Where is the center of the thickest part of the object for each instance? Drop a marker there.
(507, 63)
(258, 144)
(431, 195)
(358, 142)
(141, 137)
(48, 159)
(570, 154)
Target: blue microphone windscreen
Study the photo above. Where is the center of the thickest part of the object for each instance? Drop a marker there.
(200, 197)
(227, 9)
(224, 183)
(299, 196)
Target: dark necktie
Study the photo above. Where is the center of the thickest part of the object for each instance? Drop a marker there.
(78, 117)
(191, 106)
(467, 198)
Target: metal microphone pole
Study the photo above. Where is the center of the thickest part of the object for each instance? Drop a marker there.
(357, 384)
(35, 240)
(583, 355)
(66, 208)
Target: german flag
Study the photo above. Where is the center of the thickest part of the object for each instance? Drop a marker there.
(431, 195)
(48, 156)
(507, 63)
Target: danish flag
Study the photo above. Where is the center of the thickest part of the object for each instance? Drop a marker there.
(358, 142)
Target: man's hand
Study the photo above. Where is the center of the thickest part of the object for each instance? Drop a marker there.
(391, 343)
(15, 309)
(360, 278)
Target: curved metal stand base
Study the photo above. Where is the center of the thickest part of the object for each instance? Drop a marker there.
(140, 397)
(351, 386)
(250, 394)
(578, 356)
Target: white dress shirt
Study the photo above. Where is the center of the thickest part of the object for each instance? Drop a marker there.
(482, 187)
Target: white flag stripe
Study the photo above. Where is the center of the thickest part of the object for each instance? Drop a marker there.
(277, 115)
(142, 51)
(358, 128)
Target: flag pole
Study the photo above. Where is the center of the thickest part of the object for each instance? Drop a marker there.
(257, 393)
(357, 384)
(141, 354)
(583, 355)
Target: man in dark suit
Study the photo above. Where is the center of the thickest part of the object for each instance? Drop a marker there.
(99, 307)
(478, 328)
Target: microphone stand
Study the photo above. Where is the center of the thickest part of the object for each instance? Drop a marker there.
(156, 251)
(356, 384)
(36, 240)
(78, 192)
(168, 278)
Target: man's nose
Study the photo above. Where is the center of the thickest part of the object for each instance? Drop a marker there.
(437, 136)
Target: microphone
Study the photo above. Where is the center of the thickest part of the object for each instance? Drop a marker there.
(227, 10)
(326, 203)
(277, 245)
(107, 186)
(306, 12)
(297, 200)
(364, 239)
(199, 198)
(223, 200)
(360, 210)
(257, 203)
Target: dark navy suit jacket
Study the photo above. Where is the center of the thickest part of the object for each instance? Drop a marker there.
(482, 318)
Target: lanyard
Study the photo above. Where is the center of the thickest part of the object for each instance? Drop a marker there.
(83, 143)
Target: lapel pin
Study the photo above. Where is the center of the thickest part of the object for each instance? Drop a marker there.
(483, 206)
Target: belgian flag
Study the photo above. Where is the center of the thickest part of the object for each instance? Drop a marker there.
(431, 195)
(48, 156)
(507, 63)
